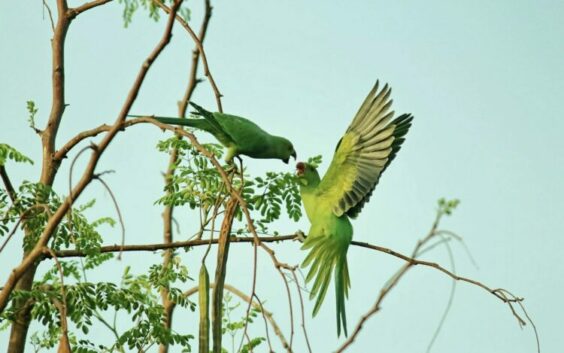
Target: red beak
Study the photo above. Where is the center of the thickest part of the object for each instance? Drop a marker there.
(300, 168)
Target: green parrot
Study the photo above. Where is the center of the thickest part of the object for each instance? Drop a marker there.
(237, 134)
(363, 153)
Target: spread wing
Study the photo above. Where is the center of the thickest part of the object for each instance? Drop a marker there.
(363, 153)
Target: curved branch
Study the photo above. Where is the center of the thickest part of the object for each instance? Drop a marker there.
(63, 151)
(412, 261)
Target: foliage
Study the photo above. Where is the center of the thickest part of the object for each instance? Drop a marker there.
(267, 195)
(196, 183)
(8, 152)
(131, 6)
(446, 207)
(233, 328)
(32, 109)
(314, 161)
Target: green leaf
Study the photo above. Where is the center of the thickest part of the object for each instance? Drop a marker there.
(8, 152)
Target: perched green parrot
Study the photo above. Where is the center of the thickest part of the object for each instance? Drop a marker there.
(366, 149)
(237, 134)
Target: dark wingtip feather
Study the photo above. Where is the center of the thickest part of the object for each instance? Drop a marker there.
(199, 110)
(402, 123)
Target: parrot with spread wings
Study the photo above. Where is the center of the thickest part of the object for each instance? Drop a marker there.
(239, 135)
(364, 152)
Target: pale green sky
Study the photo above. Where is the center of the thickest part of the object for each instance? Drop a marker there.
(484, 80)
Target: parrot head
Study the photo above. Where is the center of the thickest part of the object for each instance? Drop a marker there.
(286, 150)
(307, 174)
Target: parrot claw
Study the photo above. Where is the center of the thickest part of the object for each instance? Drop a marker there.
(300, 236)
(232, 169)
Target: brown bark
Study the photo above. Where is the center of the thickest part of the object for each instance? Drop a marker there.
(20, 326)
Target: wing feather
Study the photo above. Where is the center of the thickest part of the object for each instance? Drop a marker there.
(363, 153)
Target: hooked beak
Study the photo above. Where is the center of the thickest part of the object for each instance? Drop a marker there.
(286, 160)
(294, 154)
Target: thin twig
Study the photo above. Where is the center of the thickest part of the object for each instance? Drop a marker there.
(70, 197)
(461, 241)
(64, 345)
(120, 217)
(200, 46)
(193, 81)
(8, 184)
(393, 281)
(60, 154)
(20, 220)
(411, 261)
(451, 294)
(261, 309)
(302, 310)
(253, 289)
(89, 5)
(46, 6)
(414, 262)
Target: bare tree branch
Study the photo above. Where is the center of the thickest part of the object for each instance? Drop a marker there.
(173, 245)
(198, 42)
(87, 6)
(46, 6)
(414, 262)
(120, 218)
(450, 297)
(302, 310)
(411, 261)
(193, 80)
(8, 184)
(60, 154)
(20, 220)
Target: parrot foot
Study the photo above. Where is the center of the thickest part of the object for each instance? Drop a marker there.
(232, 169)
(300, 236)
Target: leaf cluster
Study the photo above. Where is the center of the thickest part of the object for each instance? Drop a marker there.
(130, 7)
(267, 195)
(197, 184)
(8, 152)
(233, 327)
(446, 207)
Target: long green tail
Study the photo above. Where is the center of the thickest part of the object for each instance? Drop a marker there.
(328, 254)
